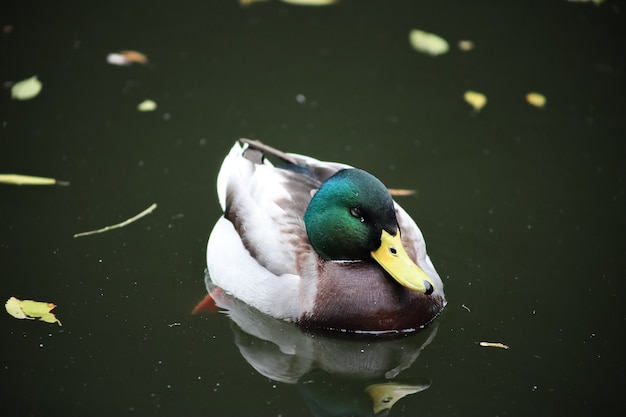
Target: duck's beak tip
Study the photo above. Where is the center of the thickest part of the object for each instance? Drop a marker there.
(429, 287)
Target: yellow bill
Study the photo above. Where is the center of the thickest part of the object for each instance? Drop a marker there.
(392, 256)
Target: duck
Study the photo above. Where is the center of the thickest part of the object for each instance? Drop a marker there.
(320, 244)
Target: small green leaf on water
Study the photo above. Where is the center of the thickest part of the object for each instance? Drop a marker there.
(29, 309)
(26, 89)
(147, 105)
(428, 43)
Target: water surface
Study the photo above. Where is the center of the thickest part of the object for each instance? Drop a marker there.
(522, 208)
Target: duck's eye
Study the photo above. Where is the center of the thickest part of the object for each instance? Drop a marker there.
(356, 213)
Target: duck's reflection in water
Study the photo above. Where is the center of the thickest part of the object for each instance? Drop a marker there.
(337, 374)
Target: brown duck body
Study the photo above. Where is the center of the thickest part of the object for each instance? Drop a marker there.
(367, 299)
(260, 252)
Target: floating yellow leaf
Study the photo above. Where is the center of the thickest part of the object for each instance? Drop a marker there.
(147, 105)
(494, 344)
(475, 99)
(428, 43)
(29, 309)
(466, 45)
(536, 99)
(26, 89)
(29, 180)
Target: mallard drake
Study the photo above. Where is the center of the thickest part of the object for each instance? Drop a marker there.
(319, 243)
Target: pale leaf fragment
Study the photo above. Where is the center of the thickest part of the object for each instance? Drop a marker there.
(466, 45)
(147, 105)
(29, 309)
(400, 192)
(494, 344)
(26, 89)
(14, 308)
(475, 99)
(18, 179)
(536, 99)
(135, 56)
(428, 43)
(127, 57)
(118, 225)
(117, 59)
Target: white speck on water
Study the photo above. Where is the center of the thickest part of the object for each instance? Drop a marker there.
(300, 98)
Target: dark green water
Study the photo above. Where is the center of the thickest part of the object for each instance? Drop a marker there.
(523, 209)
